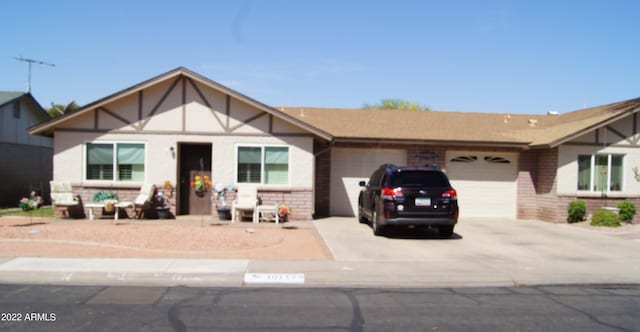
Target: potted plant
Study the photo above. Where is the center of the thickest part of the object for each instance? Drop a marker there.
(162, 208)
(284, 212)
(33, 202)
(224, 212)
(109, 200)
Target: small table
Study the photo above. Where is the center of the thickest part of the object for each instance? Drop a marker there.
(116, 206)
(268, 212)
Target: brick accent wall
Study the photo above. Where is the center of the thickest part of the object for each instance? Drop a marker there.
(537, 185)
(527, 198)
(124, 194)
(414, 157)
(593, 204)
(546, 184)
(300, 201)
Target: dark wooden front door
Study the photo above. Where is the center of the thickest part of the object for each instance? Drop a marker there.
(194, 159)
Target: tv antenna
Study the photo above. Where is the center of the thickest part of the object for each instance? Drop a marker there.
(30, 62)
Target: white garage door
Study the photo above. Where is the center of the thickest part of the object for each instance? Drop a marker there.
(485, 181)
(350, 166)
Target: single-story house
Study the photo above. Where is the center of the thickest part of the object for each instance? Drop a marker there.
(26, 159)
(181, 124)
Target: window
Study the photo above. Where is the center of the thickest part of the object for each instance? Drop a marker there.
(263, 164)
(419, 179)
(584, 172)
(496, 160)
(600, 173)
(16, 109)
(464, 159)
(115, 161)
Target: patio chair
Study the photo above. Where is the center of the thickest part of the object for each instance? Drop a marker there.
(246, 201)
(62, 197)
(144, 199)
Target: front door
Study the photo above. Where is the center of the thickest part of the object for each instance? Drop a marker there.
(194, 160)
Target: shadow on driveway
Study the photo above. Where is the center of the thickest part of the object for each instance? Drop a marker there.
(416, 233)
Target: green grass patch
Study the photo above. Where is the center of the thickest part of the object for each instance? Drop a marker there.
(41, 212)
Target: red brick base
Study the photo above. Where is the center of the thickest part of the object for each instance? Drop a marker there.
(300, 201)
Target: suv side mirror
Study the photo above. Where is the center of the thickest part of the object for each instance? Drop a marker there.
(362, 183)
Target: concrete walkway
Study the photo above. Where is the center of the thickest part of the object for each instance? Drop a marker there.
(483, 252)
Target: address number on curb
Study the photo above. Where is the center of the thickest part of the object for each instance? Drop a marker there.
(274, 278)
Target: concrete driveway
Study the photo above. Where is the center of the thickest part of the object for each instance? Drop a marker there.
(525, 251)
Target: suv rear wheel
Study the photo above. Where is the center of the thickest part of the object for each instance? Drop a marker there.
(377, 229)
(445, 230)
(361, 217)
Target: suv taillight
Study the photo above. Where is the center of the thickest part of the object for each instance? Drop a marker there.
(391, 193)
(451, 193)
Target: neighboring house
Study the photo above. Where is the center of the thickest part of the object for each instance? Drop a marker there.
(180, 124)
(26, 159)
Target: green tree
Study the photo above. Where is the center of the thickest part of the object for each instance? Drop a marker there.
(396, 104)
(57, 110)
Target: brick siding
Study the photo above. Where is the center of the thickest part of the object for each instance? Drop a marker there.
(593, 204)
(527, 198)
(300, 201)
(537, 185)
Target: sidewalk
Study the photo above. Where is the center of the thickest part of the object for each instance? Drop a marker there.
(238, 273)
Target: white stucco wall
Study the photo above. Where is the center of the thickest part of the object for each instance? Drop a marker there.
(615, 138)
(568, 168)
(161, 165)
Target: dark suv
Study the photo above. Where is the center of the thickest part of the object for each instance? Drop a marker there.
(408, 196)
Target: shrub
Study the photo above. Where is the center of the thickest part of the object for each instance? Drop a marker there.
(577, 211)
(627, 211)
(605, 218)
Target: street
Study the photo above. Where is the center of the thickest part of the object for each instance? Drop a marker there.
(128, 308)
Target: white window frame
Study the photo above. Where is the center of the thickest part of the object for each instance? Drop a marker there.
(592, 179)
(262, 147)
(114, 163)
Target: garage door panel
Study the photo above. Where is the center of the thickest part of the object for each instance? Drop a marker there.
(486, 182)
(349, 166)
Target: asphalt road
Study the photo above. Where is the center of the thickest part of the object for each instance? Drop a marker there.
(127, 308)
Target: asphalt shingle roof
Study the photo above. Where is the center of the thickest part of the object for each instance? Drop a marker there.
(357, 125)
(489, 128)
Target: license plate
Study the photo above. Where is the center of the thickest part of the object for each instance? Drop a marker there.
(423, 201)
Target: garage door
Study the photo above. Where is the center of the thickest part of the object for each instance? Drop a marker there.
(485, 181)
(350, 166)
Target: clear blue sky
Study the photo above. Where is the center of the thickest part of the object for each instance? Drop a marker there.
(474, 56)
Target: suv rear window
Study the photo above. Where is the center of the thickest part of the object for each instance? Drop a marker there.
(419, 179)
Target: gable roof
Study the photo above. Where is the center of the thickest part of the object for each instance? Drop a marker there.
(515, 130)
(9, 96)
(396, 126)
(49, 126)
(571, 125)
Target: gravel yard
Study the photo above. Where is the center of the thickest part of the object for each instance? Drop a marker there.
(189, 237)
(182, 238)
